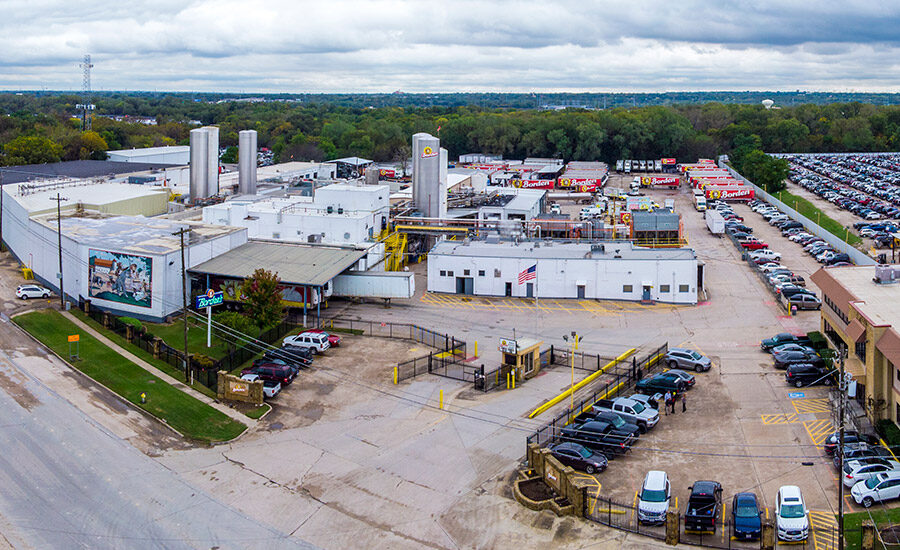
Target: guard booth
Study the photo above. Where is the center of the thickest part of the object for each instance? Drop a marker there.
(521, 356)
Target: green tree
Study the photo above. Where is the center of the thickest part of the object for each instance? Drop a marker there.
(262, 298)
(237, 323)
(230, 156)
(33, 150)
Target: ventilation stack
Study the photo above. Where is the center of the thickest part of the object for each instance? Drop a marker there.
(212, 175)
(247, 162)
(428, 194)
(199, 164)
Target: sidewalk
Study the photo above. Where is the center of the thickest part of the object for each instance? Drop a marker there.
(158, 373)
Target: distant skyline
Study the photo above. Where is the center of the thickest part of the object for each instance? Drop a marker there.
(451, 46)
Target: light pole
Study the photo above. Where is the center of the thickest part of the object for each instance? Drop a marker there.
(841, 388)
(572, 347)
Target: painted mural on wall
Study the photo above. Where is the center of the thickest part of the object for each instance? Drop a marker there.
(120, 278)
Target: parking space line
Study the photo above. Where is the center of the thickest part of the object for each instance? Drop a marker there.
(812, 405)
(824, 521)
(818, 430)
(779, 418)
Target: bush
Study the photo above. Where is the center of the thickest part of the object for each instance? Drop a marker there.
(236, 322)
(202, 361)
(889, 431)
(818, 340)
(132, 321)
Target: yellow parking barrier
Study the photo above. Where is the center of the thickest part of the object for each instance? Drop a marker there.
(395, 375)
(441, 400)
(476, 348)
(580, 385)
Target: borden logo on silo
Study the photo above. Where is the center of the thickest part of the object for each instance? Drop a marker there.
(429, 152)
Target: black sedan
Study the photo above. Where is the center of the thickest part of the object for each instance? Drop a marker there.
(660, 384)
(579, 457)
(785, 358)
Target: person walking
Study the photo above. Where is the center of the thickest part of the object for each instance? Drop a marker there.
(668, 402)
(674, 400)
(683, 401)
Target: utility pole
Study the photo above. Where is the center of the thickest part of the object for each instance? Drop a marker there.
(1, 211)
(188, 373)
(841, 389)
(62, 292)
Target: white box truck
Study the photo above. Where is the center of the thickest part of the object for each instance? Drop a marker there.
(715, 222)
(700, 203)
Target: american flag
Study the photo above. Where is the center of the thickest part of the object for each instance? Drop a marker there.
(529, 274)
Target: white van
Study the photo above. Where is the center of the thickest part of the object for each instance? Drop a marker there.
(317, 342)
(653, 500)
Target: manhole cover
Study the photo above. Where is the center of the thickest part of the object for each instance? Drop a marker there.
(276, 426)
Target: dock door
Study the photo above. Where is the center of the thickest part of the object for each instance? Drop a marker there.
(465, 285)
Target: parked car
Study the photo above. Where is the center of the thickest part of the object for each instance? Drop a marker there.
(791, 517)
(746, 517)
(333, 338)
(767, 254)
(785, 358)
(605, 415)
(770, 267)
(878, 488)
(660, 384)
(25, 292)
(703, 506)
(805, 374)
(270, 387)
(788, 292)
(861, 470)
(687, 359)
(291, 354)
(651, 401)
(804, 301)
(653, 499)
(791, 347)
(853, 451)
(630, 410)
(850, 437)
(599, 436)
(315, 341)
(754, 244)
(295, 368)
(783, 338)
(686, 377)
(579, 457)
(279, 373)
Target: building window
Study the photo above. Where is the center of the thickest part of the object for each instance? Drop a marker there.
(664, 288)
(466, 272)
(627, 288)
(276, 235)
(684, 288)
(896, 418)
(833, 307)
(481, 273)
(861, 350)
(497, 273)
(443, 273)
(449, 274)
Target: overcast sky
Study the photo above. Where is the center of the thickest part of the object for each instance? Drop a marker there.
(450, 45)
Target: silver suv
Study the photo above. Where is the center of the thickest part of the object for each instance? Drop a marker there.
(687, 359)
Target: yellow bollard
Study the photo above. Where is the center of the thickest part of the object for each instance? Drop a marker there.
(395, 375)
(441, 400)
(507, 380)
(513, 379)
(476, 348)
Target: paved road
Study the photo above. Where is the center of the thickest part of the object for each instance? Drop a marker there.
(69, 483)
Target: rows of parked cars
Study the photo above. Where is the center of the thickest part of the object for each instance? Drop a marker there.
(870, 470)
(867, 186)
(277, 368)
(814, 245)
(802, 364)
(704, 507)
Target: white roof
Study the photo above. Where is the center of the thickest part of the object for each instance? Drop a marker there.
(146, 151)
(36, 197)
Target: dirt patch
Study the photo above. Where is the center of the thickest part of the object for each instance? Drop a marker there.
(537, 490)
(891, 535)
(14, 385)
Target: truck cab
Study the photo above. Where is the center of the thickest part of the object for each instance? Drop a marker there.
(631, 410)
(700, 203)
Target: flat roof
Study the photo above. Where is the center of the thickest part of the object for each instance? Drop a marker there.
(36, 197)
(145, 151)
(355, 161)
(878, 302)
(135, 233)
(298, 264)
(76, 169)
(561, 251)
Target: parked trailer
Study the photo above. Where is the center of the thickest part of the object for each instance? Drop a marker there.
(375, 284)
(715, 222)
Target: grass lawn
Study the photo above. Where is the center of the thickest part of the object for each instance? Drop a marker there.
(882, 517)
(809, 210)
(173, 335)
(256, 413)
(186, 414)
(146, 356)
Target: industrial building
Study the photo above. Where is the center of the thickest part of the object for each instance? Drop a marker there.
(112, 254)
(511, 203)
(81, 169)
(860, 315)
(612, 270)
(180, 155)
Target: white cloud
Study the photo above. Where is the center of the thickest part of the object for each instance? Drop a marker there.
(383, 45)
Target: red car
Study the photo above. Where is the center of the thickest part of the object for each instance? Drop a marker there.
(754, 245)
(333, 339)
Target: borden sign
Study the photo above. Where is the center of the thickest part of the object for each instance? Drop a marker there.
(429, 152)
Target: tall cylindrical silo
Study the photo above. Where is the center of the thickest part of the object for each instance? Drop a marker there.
(199, 163)
(212, 182)
(247, 162)
(427, 174)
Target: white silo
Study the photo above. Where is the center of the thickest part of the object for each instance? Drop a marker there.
(426, 176)
(199, 164)
(212, 175)
(247, 162)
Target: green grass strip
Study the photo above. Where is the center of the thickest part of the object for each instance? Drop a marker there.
(188, 415)
(883, 517)
(814, 214)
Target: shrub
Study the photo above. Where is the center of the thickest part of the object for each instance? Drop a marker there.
(132, 321)
(889, 431)
(818, 340)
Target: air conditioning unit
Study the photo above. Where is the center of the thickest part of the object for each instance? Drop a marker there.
(598, 248)
(886, 274)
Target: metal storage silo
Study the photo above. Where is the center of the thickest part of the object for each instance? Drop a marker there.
(427, 174)
(199, 164)
(212, 175)
(247, 162)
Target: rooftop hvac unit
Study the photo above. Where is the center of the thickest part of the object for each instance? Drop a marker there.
(340, 210)
(886, 274)
(598, 248)
(329, 210)
(492, 239)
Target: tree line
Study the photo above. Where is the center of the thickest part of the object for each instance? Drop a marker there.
(37, 128)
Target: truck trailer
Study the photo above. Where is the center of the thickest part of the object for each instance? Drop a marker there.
(715, 222)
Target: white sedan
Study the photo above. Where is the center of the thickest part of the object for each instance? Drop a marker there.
(32, 291)
(772, 266)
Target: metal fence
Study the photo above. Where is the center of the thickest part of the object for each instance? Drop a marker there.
(618, 378)
(444, 362)
(624, 516)
(578, 359)
(754, 267)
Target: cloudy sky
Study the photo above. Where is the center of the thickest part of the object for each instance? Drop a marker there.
(451, 45)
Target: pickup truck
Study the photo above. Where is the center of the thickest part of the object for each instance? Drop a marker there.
(630, 410)
(599, 436)
(703, 506)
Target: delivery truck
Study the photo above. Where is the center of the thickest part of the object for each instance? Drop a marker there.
(715, 222)
(700, 203)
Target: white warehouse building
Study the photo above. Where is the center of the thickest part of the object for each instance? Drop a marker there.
(614, 270)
